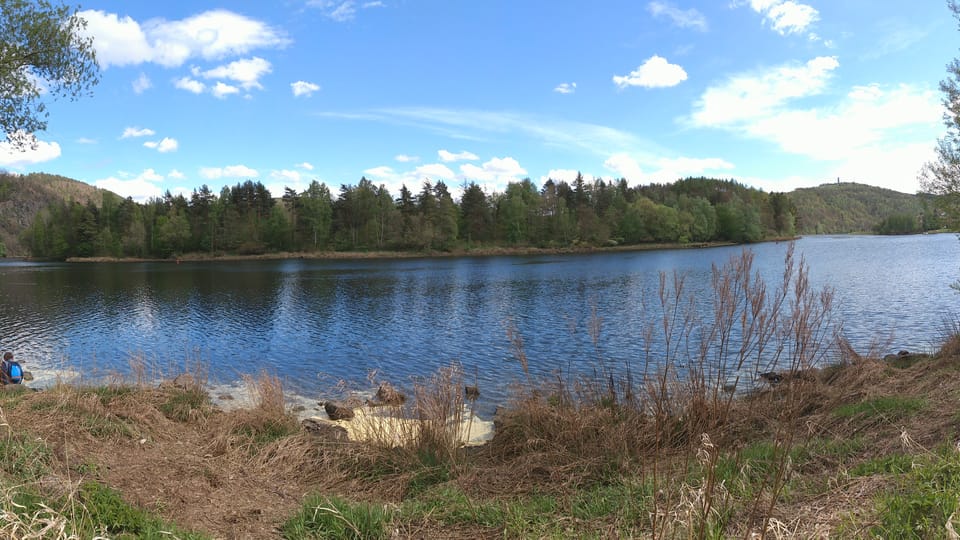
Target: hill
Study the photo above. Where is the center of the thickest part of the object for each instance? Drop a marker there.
(22, 197)
(848, 207)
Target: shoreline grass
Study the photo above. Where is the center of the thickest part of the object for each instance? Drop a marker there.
(842, 445)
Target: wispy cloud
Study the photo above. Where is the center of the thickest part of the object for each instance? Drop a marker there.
(470, 124)
(141, 84)
(448, 157)
(684, 18)
(164, 145)
(566, 88)
(304, 88)
(137, 132)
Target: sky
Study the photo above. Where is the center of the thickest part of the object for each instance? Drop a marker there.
(776, 94)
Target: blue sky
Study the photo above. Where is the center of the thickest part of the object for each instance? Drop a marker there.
(777, 94)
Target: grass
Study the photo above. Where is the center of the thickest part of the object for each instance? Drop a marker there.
(887, 407)
(636, 452)
(334, 517)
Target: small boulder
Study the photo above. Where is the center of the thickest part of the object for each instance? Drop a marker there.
(324, 429)
(388, 395)
(471, 392)
(771, 377)
(338, 412)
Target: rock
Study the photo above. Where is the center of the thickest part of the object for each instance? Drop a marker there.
(338, 412)
(183, 381)
(471, 392)
(772, 377)
(324, 429)
(388, 395)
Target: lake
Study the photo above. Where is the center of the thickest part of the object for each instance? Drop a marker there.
(317, 322)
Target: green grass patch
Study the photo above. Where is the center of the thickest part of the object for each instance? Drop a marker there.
(100, 425)
(24, 458)
(333, 517)
(184, 405)
(889, 464)
(109, 393)
(107, 512)
(927, 495)
(890, 407)
(266, 431)
(449, 505)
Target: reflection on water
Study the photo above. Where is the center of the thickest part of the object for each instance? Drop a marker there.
(319, 321)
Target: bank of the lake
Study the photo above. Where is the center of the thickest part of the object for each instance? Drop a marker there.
(865, 449)
(497, 251)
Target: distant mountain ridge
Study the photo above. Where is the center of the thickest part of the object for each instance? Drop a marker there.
(22, 197)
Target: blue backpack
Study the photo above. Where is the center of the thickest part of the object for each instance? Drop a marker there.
(12, 372)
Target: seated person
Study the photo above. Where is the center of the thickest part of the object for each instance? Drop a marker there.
(10, 370)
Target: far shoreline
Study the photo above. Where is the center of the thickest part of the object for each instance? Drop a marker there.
(385, 255)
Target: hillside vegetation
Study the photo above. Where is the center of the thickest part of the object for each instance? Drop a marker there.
(23, 197)
(53, 217)
(848, 207)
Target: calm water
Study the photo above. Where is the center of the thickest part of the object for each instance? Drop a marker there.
(316, 322)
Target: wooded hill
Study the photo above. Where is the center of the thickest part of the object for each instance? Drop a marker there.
(848, 207)
(54, 217)
(23, 197)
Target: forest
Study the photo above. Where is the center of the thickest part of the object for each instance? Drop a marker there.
(247, 219)
(52, 217)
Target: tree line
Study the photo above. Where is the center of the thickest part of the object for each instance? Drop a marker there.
(247, 219)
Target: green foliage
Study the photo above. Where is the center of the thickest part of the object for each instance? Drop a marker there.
(24, 458)
(43, 51)
(186, 404)
(333, 517)
(107, 511)
(927, 496)
(898, 224)
(848, 207)
(889, 407)
(888, 464)
(941, 177)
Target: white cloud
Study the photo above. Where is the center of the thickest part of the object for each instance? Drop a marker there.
(494, 174)
(786, 16)
(283, 179)
(684, 18)
(307, 166)
(164, 145)
(625, 167)
(190, 85)
(876, 134)
(141, 187)
(468, 124)
(565, 175)
(434, 172)
(448, 157)
(566, 88)
(754, 95)
(337, 10)
(375, 3)
(304, 88)
(403, 158)
(656, 72)
(247, 72)
(209, 35)
(86, 140)
(662, 169)
(222, 90)
(42, 152)
(176, 175)
(141, 84)
(231, 171)
(137, 132)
